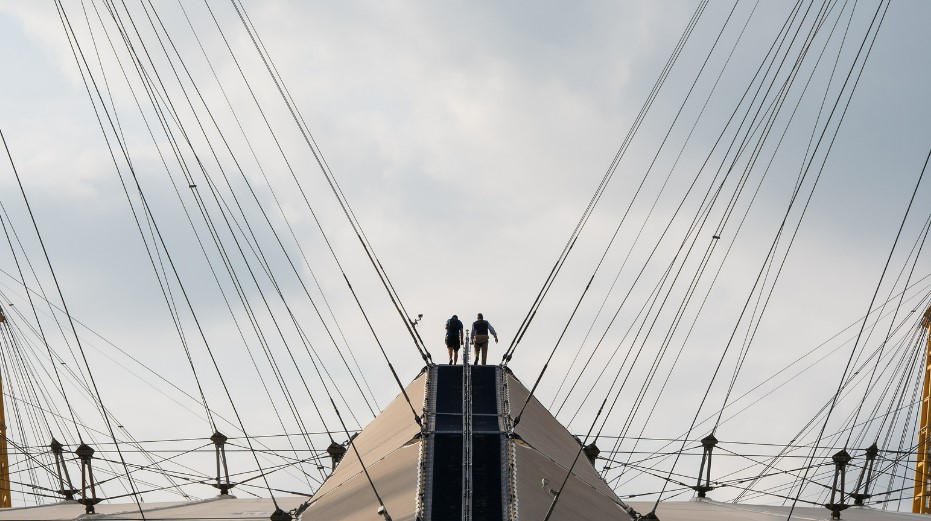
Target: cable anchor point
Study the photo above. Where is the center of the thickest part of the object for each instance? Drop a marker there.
(65, 488)
(383, 512)
(708, 443)
(591, 452)
(86, 454)
(336, 452)
(867, 470)
(223, 473)
(841, 459)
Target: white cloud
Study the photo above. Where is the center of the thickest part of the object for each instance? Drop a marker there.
(468, 139)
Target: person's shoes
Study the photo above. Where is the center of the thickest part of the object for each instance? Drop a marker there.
(450, 361)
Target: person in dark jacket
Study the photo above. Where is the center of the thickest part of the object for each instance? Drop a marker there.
(454, 339)
(480, 330)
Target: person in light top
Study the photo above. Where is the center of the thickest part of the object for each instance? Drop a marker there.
(480, 330)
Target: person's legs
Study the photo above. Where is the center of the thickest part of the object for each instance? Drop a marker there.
(481, 346)
(452, 345)
(484, 353)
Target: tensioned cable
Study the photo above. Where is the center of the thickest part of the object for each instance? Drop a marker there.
(174, 269)
(924, 236)
(758, 315)
(43, 295)
(850, 383)
(602, 186)
(679, 314)
(775, 375)
(35, 314)
(176, 150)
(111, 10)
(910, 416)
(820, 139)
(292, 405)
(132, 358)
(898, 234)
(178, 389)
(18, 376)
(225, 218)
(645, 221)
(293, 234)
(906, 356)
(62, 426)
(819, 446)
(261, 378)
(163, 280)
(382, 510)
(31, 376)
(150, 87)
(810, 425)
(617, 229)
(65, 306)
(307, 202)
(334, 187)
(322, 162)
(587, 435)
(126, 192)
(257, 249)
(393, 293)
(691, 187)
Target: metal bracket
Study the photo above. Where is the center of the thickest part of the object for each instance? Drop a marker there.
(858, 497)
(708, 443)
(65, 488)
(841, 459)
(223, 479)
(86, 454)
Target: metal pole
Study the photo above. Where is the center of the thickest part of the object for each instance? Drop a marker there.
(920, 503)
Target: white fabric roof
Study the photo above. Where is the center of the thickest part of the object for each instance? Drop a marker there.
(226, 508)
(707, 510)
(391, 452)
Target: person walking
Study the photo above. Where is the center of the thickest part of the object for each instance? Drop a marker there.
(454, 339)
(480, 330)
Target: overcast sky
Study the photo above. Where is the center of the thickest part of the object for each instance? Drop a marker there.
(468, 138)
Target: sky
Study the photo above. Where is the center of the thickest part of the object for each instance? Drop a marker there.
(468, 139)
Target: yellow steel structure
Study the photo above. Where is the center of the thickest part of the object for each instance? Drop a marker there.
(5, 500)
(921, 502)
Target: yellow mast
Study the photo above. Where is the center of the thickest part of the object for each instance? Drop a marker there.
(5, 501)
(921, 502)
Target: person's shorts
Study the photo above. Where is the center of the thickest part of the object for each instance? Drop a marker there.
(480, 341)
(452, 342)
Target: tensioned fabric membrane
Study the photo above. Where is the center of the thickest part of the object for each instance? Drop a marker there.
(390, 447)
